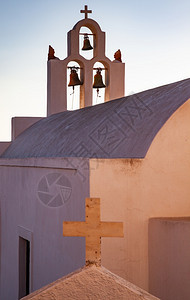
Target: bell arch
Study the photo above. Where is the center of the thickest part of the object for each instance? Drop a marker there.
(57, 70)
(86, 43)
(99, 37)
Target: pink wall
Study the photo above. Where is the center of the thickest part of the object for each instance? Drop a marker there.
(33, 208)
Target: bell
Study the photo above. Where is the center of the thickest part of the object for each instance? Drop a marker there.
(98, 83)
(86, 45)
(74, 79)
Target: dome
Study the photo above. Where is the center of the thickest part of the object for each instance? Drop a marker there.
(121, 128)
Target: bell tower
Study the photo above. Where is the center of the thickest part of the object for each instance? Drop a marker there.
(57, 69)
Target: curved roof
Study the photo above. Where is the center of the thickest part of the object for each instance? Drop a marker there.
(121, 128)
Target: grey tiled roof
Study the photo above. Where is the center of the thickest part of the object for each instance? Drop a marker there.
(121, 128)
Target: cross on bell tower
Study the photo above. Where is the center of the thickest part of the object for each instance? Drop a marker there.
(86, 11)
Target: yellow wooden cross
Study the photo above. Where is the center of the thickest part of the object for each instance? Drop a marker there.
(93, 229)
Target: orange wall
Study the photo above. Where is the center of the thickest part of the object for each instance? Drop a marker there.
(134, 190)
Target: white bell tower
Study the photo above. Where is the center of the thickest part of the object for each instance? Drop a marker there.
(57, 69)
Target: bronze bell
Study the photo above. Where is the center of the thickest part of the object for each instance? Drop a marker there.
(86, 45)
(74, 79)
(98, 83)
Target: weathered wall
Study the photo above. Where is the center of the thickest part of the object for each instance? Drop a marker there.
(134, 190)
(36, 196)
(91, 283)
(169, 258)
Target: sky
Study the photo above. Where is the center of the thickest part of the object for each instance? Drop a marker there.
(153, 37)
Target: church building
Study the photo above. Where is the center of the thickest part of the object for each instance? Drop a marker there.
(132, 152)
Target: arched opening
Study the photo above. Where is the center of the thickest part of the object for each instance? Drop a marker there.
(86, 34)
(74, 81)
(99, 93)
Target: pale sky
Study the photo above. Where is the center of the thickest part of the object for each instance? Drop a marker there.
(153, 37)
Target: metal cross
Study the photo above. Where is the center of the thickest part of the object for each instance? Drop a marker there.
(93, 229)
(86, 11)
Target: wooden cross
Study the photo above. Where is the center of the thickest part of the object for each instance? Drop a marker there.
(86, 11)
(93, 229)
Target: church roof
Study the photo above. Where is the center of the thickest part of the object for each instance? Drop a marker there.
(91, 283)
(121, 128)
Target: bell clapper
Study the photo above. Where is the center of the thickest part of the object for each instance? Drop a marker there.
(73, 91)
(72, 99)
(98, 91)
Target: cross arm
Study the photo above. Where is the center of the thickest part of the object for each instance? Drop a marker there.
(111, 229)
(74, 229)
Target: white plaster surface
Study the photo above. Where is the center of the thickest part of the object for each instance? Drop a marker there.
(91, 283)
